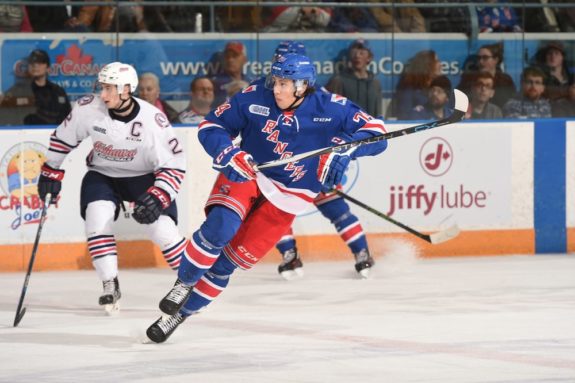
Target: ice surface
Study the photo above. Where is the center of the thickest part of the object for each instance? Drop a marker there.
(475, 319)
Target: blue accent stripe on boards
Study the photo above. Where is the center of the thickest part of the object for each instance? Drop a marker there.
(549, 186)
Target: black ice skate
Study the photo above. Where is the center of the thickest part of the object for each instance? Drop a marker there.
(111, 295)
(161, 329)
(176, 298)
(291, 266)
(363, 262)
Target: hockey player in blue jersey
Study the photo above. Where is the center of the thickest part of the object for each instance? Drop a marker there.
(331, 206)
(249, 210)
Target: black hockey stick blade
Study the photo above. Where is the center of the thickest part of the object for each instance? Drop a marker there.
(435, 238)
(461, 104)
(20, 311)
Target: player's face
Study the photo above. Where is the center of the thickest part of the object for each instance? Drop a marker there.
(284, 90)
(109, 94)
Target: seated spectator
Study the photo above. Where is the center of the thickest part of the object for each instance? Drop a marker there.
(356, 82)
(201, 100)
(497, 18)
(296, 19)
(531, 103)
(551, 58)
(233, 18)
(565, 16)
(397, 19)
(482, 91)
(14, 18)
(50, 100)
(52, 18)
(235, 86)
(101, 18)
(234, 58)
(149, 90)
(489, 59)
(413, 85)
(437, 106)
(565, 107)
(352, 19)
(446, 19)
(538, 19)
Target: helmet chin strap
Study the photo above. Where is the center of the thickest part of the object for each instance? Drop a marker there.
(122, 109)
(292, 107)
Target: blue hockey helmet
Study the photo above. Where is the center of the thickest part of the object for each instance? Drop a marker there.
(289, 46)
(294, 67)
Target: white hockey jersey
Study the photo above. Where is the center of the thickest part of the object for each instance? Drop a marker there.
(145, 144)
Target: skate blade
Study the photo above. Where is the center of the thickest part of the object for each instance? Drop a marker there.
(112, 309)
(364, 274)
(290, 275)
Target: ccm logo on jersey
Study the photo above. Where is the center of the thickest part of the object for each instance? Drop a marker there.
(321, 119)
(260, 110)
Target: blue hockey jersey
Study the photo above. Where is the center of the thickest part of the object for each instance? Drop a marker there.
(268, 133)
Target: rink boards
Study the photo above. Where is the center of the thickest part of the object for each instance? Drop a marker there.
(509, 186)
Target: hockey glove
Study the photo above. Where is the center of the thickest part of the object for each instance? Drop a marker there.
(235, 164)
(332, 166)
(150, 205)
(50, 182)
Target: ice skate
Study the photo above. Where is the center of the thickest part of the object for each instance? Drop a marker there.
(110, 297)
(363, 262)
(291, 266)
(176, 298)
(161, 329)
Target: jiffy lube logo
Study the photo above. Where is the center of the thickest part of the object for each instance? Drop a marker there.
(19, 171)
(436, 159)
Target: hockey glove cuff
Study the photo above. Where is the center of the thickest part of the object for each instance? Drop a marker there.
(235, 164)
(150, 205)
(50, 182)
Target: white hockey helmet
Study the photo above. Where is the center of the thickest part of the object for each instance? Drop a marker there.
(119, 74)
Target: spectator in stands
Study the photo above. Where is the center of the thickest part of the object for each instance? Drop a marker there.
(551, 58)
(489, 59)
(441, 18)
(235, 86)
(497, 18)
(201, 100)
(234, 58)
(482, 91)
(397, 19)
(413, 85)
(14, 18)
(565, 107)
(437, 106)
(352, 19)
(233, 18)
(52, 18)
(50, 100)
(149, 90)
(537, 19)
(296, 19)
(356, 82)
(101, 18)
(565, 16)
(531, 103)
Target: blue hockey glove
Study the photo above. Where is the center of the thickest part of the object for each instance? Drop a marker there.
(50, 182)
(150, 205)
(332, 167)
(235, 164)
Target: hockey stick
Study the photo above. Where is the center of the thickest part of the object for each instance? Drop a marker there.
(461, 103)
(20, 311)
(435, 238)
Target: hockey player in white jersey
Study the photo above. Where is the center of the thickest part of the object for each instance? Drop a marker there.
(136, 157)
(249, 210)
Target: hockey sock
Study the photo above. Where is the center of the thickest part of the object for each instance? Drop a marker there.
(173, 254)
(210, 285)
(286, 242)
(346, 223)
(165, 234)
(206, 243)
(104, 256)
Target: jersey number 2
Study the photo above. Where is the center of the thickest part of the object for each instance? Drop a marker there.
(175, 145)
